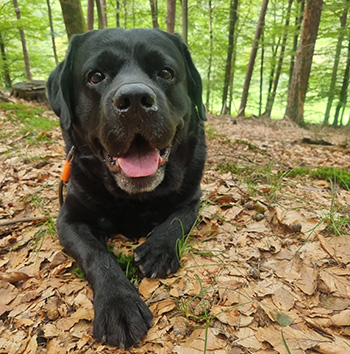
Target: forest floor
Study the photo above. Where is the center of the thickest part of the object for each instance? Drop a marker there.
(266, 269)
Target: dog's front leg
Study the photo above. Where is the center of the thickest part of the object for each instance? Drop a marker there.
(121, 317)
(158, 256)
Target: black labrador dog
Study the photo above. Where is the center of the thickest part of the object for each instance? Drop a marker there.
(130, 103)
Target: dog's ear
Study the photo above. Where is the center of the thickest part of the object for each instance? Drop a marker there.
(193, 77)
(59, 89)
(194, 82)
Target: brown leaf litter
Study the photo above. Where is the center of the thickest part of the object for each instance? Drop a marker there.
(263, 270)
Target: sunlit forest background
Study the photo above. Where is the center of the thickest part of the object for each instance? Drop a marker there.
(210, 25)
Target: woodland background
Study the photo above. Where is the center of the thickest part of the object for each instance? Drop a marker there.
(266, 268)
(246, 50)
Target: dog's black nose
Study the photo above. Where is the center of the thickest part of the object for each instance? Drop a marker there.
(135, 97)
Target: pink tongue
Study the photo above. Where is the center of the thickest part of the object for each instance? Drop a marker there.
(140, 163)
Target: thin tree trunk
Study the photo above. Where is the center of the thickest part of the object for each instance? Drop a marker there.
(170, 16)
(104, 13)
(99, 14)
(261, 70)
(90, 15)
(125, 13)
(232, 77)
(52, 31)
(154, 12)
(298, 22)
(5, 67)
(343, 96)
(73, 17)
(117, 13)
(228, 69)
(210, 59)
(343, 19)
(184, 16)
(253, 52)
(272, 96)
(133, 14)
(303, 62)
(273, 67)
(23, 41)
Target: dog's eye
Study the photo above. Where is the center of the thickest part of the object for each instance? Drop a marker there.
(167, 74)
(95, 77)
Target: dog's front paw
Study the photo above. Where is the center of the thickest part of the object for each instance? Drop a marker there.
(157, 257)
(121, 318)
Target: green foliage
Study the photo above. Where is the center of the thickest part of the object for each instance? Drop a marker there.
(126, 263)
(31, 119)
(78, 272)
(341, 176)
(137, 14)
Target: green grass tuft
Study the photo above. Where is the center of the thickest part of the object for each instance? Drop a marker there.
(31, 120)
(340, 176)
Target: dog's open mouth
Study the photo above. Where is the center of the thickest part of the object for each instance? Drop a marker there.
(141, 160)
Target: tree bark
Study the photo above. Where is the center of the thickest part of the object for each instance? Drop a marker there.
(228, 68)
(298, 22)
(117, 13)
(52, 31)
(271, 98)
(210, 58)
(99, 14)
(170, 16)
(253, 52)
(23, 41)
(154, 12)
(343, 19)
(90, 15)
(73, 17)
(262, 70)
(104, 13)
(5, 67)
(343, 96)
(303, 61)
(184, 16)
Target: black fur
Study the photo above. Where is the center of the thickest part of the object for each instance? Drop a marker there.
(101, 116)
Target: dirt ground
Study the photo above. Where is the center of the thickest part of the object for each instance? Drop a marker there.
(266, 269)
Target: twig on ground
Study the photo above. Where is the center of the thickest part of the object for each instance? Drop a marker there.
(22, 220)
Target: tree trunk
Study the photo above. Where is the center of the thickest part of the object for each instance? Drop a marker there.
(125, 13)
(273, 67)
(272, 96)
(228, 69)
(52, 31)
(261, 70)
(23, 41)
(303, 61)
(343, 19)
(117, 13)
(298, 21)
(5, 67)
(99, 14)
(184, 16)
(90, 15)
(104, 13)
(154, 12)
(73, 17)
(234, 55)
(250, 67)
(170, 16)
(343, 96)
(210, 59)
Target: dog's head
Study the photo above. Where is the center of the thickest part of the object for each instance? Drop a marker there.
(129, 97)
